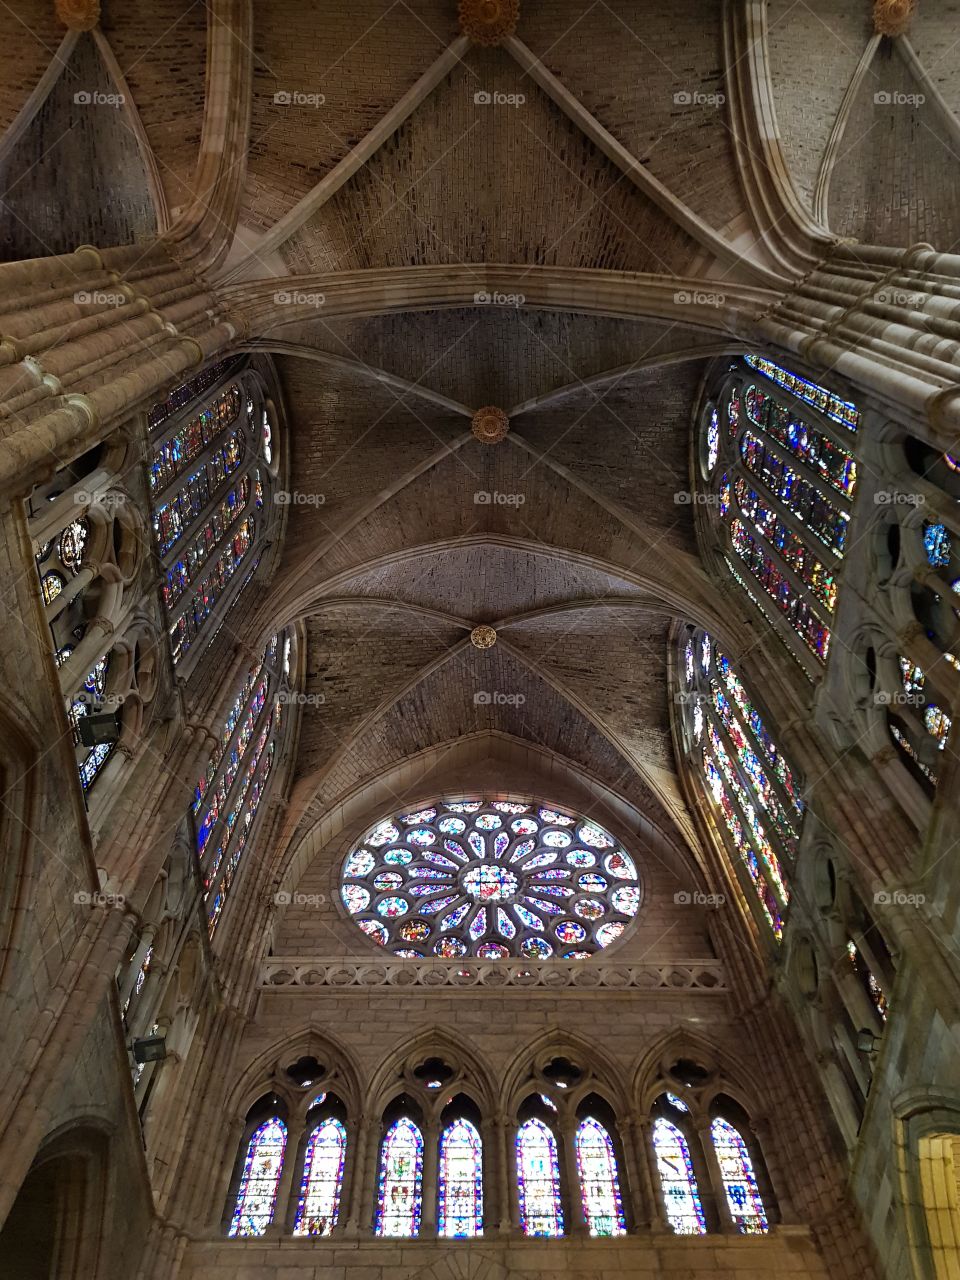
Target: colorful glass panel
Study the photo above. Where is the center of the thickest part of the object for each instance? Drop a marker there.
(538, 1180)
(460, 1181)
(319, 1201)
(839, 410)
(400, 1186)
(681, 1196)
(599, 1180)
(739, 1182)
(257, 1194)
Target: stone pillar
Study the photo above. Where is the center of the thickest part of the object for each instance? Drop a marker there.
(643, 1136)
(430, 1185)
(636, 1187)
(570, 1178)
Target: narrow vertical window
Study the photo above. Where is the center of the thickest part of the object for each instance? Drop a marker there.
(599, 1182)
(678, 1182)
(460, 1188)
(739, 1181)
(401, 1180)
(538, 1179)
(319, 1201)
(257, 1195)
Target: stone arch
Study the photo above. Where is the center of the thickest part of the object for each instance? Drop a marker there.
(474, 1079)
(600, 1075)
(927, 1148)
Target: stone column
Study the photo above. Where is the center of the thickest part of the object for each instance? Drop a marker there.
(430, 1185)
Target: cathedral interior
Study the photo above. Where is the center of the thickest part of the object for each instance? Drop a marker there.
(478, 786)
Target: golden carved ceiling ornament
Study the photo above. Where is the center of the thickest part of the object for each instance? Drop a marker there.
(892, 17)
(490, 424)
(78, 15)
(488, 22)
(483, 637)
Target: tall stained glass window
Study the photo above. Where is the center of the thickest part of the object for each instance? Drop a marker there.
(739, 1181)
(400, 1189)
(210, 469)
(781, 466)
(460, 1181)
(538, 1180)
(755, 795)
(319, 1201)
(490, 878)
(262, 1165)
(681, 1196)
(599, 1180)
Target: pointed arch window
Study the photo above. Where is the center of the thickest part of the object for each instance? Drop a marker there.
(678, 1182)
(262, 1166)
(778, 454)
(739, 1180)
(460, 1180)
(208, 472)
(756, 795)
(599, 1180)
(538, 1180)
(400, 1187)
(318, 1205)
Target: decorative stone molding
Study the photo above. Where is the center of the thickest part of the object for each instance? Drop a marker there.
(488, 22)
(298, 973)
(483, 637)
(78, 15)
(893, 17)
(490, 424)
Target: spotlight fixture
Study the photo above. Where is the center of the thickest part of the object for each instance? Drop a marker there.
(150, 1049)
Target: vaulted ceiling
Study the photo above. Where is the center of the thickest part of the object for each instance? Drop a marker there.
(609, 144)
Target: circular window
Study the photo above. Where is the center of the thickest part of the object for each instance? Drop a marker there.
(491, 879)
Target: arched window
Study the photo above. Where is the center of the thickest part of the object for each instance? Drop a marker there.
(777, 452)
(262, 1166)
(739, 1181)
(227, 795)
(491, 879)
(681, 1196)
(460, 1180)
(400, 1190)
(209, 473)
(538, 1180)
(319, 1203)
(599, 1180)
(865, 975)
(755, 794)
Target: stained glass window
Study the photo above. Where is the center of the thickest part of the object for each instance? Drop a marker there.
(599, 1180)
(263, 1163)
(491, 883)
(208, 498)
(755, 794)
(538, 1180)
(401, 1180)
(681, 1196)
(319, 1201)
(784, 487)
(868, 981)
(739, 1182)
(460, 1181)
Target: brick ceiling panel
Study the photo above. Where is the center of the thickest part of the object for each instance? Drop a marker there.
(463, 181)
(29, 36)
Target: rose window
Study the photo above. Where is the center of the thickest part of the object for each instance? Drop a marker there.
(490, 879)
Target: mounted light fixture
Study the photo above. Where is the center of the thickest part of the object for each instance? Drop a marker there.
(150, 1049)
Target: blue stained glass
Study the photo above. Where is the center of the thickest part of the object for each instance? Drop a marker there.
(522, 849)
(401, 1180)
(460, 1181)
(599, 1181)
(500, 844)
(528, 918)
(475, 840)
(478, 925)
(541, 860)
(678, 1182)
(438, 904)
(842, 411)
(505, 925)
(455, 917)
(319, 1202)
(538, 1180)
(739, 1182)
(257, 1195)
(542, 904)
(936, 540)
